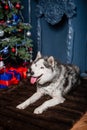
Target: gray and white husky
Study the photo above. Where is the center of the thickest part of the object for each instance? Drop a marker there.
(52, 78)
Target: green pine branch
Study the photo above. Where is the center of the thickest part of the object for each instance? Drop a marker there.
(15, 35)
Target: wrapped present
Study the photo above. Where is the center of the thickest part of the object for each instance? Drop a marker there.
(3, 86)
(15, 74)
(5, 78)
(9, 78)
(21, 70)
(12, 76)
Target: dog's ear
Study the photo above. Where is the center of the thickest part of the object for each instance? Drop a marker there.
(51, 61)
(38, 55)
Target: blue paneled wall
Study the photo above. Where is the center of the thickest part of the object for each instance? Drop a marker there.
(80, 38)
(53, 38)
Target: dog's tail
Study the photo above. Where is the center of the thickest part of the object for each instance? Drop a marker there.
(77, 69)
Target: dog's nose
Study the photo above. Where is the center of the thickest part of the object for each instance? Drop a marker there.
(32, 73)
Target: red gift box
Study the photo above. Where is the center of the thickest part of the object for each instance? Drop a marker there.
(11, 75)
(21, 70)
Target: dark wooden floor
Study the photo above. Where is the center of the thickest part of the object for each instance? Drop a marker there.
(60, 117)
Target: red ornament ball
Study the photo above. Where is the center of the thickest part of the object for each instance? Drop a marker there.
(18, 6)
(1, 58)
(2, 22)
(30, 48)
(20, 30)
(6, 7)
(13, 50)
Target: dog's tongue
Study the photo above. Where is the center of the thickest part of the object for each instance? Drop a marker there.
(33, 80)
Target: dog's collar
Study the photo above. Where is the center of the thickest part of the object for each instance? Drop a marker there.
(45, 84)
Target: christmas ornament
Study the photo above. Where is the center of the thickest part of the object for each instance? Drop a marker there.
(18, 6)
(2, 22)
(13, 50)
(6, 7)
(31, 60)
(5, 51)
(1, 33)
(8, 22)
(1, 58)
(30, 48)
(20, 30)
(15, 17)
(28, 34)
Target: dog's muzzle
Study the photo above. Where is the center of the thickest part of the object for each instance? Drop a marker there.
(32, 73)
(33, 80)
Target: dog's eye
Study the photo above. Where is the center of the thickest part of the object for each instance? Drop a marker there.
(42, 67)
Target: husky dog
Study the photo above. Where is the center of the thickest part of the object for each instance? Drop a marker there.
(52, 78)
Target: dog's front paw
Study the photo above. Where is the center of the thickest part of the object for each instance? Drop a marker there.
(21, 106)
(38, 110)
(62, 100)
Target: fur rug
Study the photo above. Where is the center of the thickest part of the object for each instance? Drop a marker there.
(60, 117)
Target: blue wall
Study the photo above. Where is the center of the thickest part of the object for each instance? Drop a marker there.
(53, 38)
(80, 38)
(25, 10)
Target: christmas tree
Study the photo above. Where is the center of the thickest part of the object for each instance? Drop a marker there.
(15, 35)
